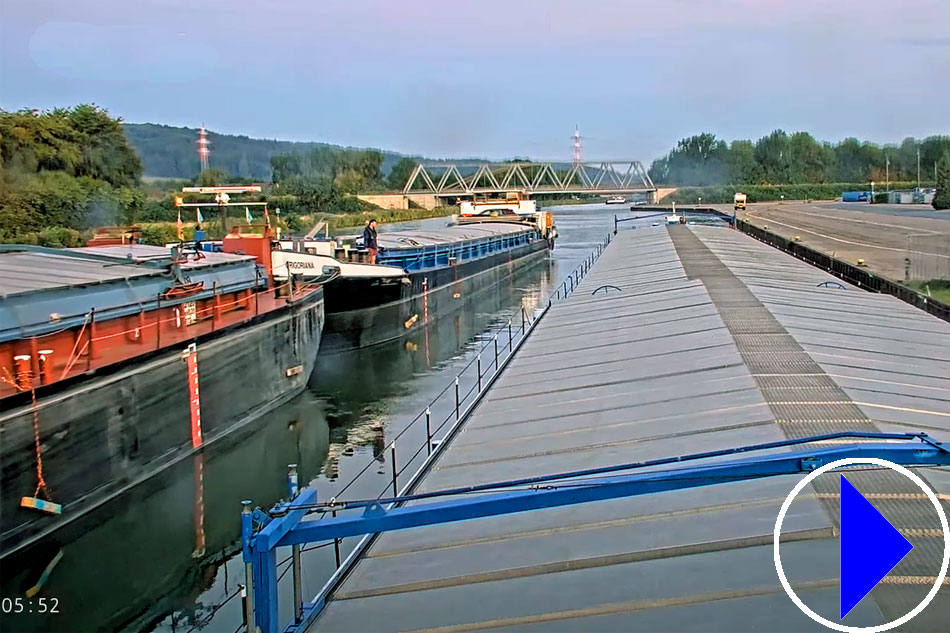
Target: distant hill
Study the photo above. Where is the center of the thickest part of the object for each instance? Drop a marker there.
(170, 152)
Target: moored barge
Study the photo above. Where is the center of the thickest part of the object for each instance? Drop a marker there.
(420, 274)
(103, 351)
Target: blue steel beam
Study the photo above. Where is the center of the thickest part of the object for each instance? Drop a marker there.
(261, 551)
(290, 514)
(616, 468)
(376, 519)
(547, 491)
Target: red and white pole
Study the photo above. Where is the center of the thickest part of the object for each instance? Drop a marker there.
(190, 356)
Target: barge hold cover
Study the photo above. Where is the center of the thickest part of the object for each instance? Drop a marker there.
(713, 341)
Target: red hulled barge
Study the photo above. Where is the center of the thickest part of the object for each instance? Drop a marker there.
(119, 359)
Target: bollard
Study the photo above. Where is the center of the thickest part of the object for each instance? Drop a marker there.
(496, 353)
(456, 397)
(247, 530)
(393, 456)
(509, 336)
(45, 362)
(429, 430)
(522, 320)
(24, 374)
(478, 367)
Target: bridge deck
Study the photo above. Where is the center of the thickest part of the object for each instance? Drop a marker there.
(713, 341)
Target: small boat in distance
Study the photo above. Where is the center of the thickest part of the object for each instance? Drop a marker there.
(616, 200)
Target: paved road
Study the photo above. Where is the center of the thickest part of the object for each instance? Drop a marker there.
(902, 210)
(879, 235)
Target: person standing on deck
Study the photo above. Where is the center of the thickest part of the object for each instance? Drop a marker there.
(369, 240)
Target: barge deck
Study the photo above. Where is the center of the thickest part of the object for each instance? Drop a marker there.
(697, 338)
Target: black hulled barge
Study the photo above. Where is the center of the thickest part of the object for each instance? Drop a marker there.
(420, 274)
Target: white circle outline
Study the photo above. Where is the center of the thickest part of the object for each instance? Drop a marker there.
(778, 531)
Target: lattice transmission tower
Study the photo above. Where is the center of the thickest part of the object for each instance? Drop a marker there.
(578, 158)
(203, 150)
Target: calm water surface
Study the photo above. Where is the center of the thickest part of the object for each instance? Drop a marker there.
(165, 557)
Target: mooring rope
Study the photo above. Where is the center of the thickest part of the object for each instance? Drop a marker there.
(28, 376)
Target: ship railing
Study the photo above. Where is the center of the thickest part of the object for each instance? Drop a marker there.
(43, 367)
(427, 434)
(447, 251)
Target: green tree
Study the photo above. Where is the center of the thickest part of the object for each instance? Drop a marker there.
(942, 197)
(772, 157)
(742, 167)
(106, 154)
(660, 171)
(212, 177)
(32, 141)
(806, 159)
(244, 167)
(67, 168)
(400, 173)
(697, 160)
(351, 181)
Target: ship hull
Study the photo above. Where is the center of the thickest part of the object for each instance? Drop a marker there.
(106, 432)
(353, 321)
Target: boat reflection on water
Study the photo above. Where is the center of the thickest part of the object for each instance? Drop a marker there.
(369, 389)
(158, 547)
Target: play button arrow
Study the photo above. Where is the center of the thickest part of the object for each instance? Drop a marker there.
(870, 547)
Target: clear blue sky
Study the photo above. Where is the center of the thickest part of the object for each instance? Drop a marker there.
(490, 78)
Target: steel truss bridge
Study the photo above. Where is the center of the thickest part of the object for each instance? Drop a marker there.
(468, 179)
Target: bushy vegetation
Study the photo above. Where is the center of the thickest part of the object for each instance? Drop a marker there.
(385, 216)
(938, 289)
(325, 180)
(65, 171)
(67, 168)
(797, 158)
(723, 194)
(942, 197)
(169, 152)
(55, 237)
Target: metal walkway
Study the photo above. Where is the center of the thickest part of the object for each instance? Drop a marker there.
(713, 340)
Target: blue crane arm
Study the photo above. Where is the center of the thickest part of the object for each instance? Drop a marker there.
(375, 518)
(286, 525)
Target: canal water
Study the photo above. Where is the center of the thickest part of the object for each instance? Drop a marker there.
(165, 556)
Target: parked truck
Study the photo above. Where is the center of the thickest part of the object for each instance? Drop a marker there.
(738, 202)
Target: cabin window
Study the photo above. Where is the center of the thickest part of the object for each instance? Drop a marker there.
(190, 309)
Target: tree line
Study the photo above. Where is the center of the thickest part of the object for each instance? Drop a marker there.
(70, 168)
(169, 152)
(326, 178)
(797, 158)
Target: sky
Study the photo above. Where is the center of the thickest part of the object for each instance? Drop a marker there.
(492, 78)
